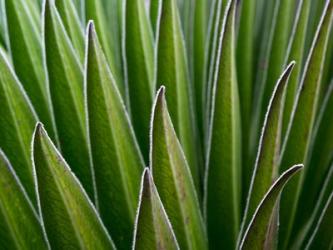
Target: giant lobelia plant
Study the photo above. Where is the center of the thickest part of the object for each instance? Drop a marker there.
(166, 124)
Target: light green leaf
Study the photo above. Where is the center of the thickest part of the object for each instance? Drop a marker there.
(117, 160)
(266, 166)
(223, 177)
(296, 52)
(108, 38)
(255, 235)
(16, 210)
(172, 71)
(70, 219)
(139, 60)
(296, 144)
(24, 33)
(66, 86)
(17, 121)
(173, 179)
(153, 229)
(71, 21)
(322, 235)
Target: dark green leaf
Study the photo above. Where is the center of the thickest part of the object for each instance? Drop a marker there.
(16, 210)
(222, 197)
(255, 235)
(117, 160)
(173, 179)
(17, 121)
(139, 59)
(296, 144)
(66, 87)
(153, 229)
(70, 219)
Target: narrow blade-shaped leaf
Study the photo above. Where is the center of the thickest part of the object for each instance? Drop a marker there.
(66, 86)
(72, 23)
(172, 71)
(109, 40)
(139, 60)
(17, 119)
(16, 210)
(153, 229)
(255, 235)
(222, 184)
(154, 12)
(266, 166)
(173, 180)
(69, 217)
(117, 160)
(296, 144)
(24, 33)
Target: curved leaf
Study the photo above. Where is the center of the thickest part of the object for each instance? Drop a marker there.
(24, 33)
(139, 61)
(17, 121)
(255, 235)
(172, 71)
(66, 87)
(266, 166)
(116, 157)
(153, 229)
(70, 219)
(296, 144)
(15, 211)
(173, 179)
(222, 183)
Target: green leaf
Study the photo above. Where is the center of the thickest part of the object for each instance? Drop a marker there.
(70, 219)
(266, 166)
(71, 21)
(255, 235)
(66, 86)
(117, 160)
(322, 235)
(153, 229)
(296, 52)
(24, 33)
(139, 60)
(222, 183)
(296, 144)
(154, 12)
(173, 179)
(172, 71)
(16, 210)
(108, 38)
(17, 121)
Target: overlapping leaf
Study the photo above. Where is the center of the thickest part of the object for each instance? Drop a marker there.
(153, 229)
(70, 219)
(66, 86)
(173, 179)
(116, 157)
(223, 179)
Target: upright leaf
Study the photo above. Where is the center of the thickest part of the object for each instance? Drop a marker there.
(296, 144)
(154, 12)
(16, 210)
(266, 166)
(17, 119)
(72, 23)
(255, 235)
(24, 33)
(66, 87)
(139, 61)
(172, 71)
(222, 183)
(153, 229)
(70, 219)
(109, 40)
(173, 179)
(117, 160)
